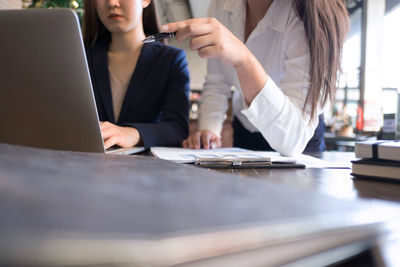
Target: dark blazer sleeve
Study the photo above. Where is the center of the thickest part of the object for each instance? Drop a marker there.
(173, 126)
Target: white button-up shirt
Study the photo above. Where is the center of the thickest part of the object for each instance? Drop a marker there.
(280, 45)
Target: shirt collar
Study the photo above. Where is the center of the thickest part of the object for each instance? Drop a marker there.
(276, 17)
(238, 10)
(278, 14)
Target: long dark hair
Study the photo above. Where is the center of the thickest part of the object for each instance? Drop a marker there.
(326, 24)
(94, 30)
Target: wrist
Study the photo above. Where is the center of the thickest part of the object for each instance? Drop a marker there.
(132, 135)
(245, 63)
(137, 137)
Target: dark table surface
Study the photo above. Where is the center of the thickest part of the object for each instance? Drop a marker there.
(338, 183)
(335, 182)
(44, 189)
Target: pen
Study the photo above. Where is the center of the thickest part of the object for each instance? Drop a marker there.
(158, 37)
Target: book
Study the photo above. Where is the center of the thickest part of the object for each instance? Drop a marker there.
(378, 149)
(225, 158)
(371, 168)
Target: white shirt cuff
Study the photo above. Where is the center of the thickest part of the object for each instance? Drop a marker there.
(266, 106)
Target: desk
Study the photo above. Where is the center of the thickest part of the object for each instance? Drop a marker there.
(338, 183)
(87, 195)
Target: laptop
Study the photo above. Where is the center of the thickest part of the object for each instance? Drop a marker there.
(47, 99)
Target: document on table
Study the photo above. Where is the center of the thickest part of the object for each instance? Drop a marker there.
(313, 162)
(182, 155)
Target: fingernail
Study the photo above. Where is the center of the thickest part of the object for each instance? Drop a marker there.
(165, 28)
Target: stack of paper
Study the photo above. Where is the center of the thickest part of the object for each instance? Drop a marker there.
(272, 159)
(224, 157)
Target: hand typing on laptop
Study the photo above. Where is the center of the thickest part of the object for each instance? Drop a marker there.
(117, 135)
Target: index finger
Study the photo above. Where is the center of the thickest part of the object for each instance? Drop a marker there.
(189, 28)
(176, 26)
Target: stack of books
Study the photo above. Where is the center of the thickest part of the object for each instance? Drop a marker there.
(378, 159)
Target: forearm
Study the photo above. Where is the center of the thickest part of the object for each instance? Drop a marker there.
(214, 99)
(252, 77)
(212, 112)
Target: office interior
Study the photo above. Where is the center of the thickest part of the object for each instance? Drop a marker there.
(366, 107)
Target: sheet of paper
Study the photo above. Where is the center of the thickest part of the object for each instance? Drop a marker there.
(313, 162)
(181, 155)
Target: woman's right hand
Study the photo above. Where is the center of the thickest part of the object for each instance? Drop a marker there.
(211, 39)
(202, 139)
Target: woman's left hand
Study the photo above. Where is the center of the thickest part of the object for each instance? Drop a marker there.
(211, 38)
(117, 135)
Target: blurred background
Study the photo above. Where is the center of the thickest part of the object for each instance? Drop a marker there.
(367, 104)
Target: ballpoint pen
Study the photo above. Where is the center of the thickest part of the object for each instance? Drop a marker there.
(158, 37)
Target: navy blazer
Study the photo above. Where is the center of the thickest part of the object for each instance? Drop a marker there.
(157, 99)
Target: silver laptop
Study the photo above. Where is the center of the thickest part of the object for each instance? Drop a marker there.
(46, 96)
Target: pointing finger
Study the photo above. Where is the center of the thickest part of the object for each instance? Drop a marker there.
(176, 26)
(189, 28)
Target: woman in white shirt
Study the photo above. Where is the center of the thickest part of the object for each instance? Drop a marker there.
(282, 57)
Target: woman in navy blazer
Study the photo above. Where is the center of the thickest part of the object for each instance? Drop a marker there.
(154, 110)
